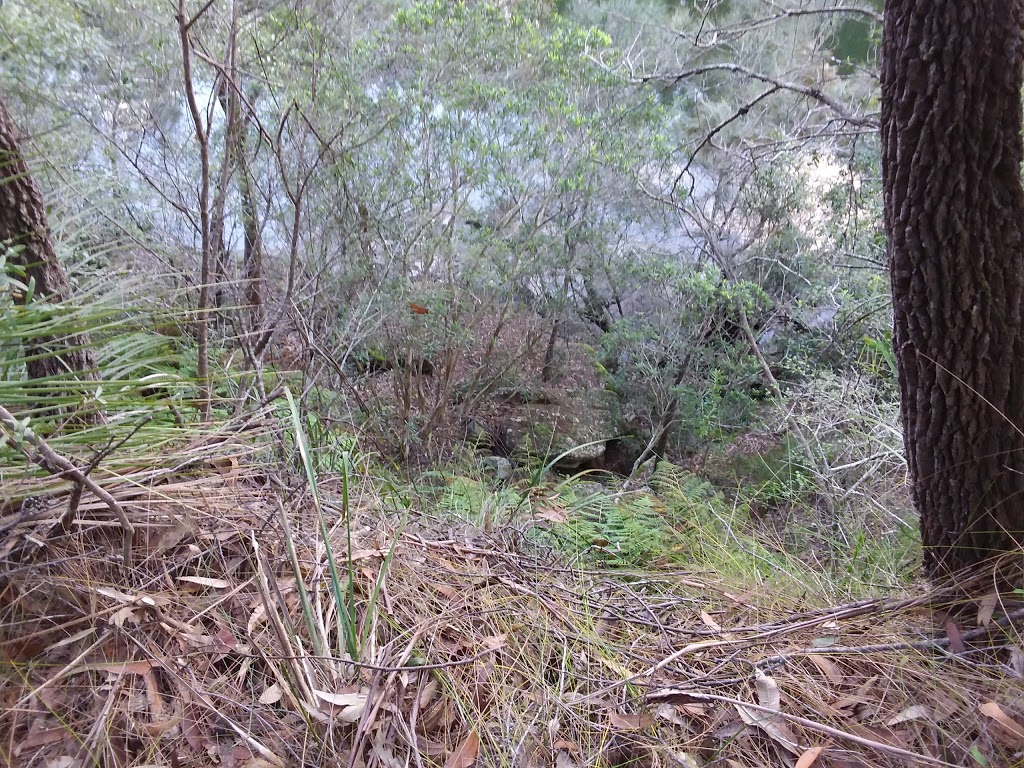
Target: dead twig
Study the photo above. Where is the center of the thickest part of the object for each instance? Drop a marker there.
(21, 437)
(672, 695)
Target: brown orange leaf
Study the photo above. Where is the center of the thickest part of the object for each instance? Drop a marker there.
(630, 722)
(710, 622)
(1011, 726)
(956, 640)
(41, 738)
(465, 754)
(807, 758)
(827, 667)
(427, 747)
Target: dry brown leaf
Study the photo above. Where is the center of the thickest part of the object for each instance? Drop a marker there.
(768, 695)
(153, 697)
(956, 639)
(729, 731)
(710, 622)
(865, 688)
(40, 738)
(481, 690)
(687, 760)
(427, 693)
(314, 712)
(203, 581)
(363, 554)
(190, 730)
(160, 728)
(808, 758)
(437, 717)
(827, 667)
(227, 466)
(272, 695)
(774, 727)
(1011, 726)
(915, 712)
(341, 699)
(122, 615)
(450, 592)
(1017, 661)
(429, 748)
(494, 642)
(943, 707)
(126, 668)
(114, 594)
(670, 713)
(987, 608)
(258, 616)
(384, 751)
(551, 514)
(893, 737)
(172, 536)
(742, 599)
(848, 702)
(71, 639)
(465, 754)
(630, 722)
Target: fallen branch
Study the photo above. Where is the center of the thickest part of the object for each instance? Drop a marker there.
(58, 466)
(917, 645)
(671, 695)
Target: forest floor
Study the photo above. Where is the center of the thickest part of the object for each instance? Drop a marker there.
(348, 621)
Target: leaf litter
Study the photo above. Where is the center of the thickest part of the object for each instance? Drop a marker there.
(470, 650)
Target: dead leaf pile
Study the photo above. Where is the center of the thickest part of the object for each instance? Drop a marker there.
(228, 643)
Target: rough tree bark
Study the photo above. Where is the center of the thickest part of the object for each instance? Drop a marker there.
(23, 224)
(954, 216)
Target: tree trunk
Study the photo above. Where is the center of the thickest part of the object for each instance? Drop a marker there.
(23, 225)
(954, 216)
(252, 255)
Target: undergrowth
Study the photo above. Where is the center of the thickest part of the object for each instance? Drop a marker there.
(290, 598)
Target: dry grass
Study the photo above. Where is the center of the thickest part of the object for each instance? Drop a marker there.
(471, 652)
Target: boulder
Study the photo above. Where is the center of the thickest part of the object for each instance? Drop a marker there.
(499, 465)
(577, 423)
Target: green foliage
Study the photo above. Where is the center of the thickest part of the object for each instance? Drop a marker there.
(460, 180)
(628, 531)
(687, 351)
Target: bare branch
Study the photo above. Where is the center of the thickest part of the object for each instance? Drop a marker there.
(810, 91)
(736, 30)
(203, 139)
(44, 456)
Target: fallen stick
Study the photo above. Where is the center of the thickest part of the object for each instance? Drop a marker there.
(58, 466)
